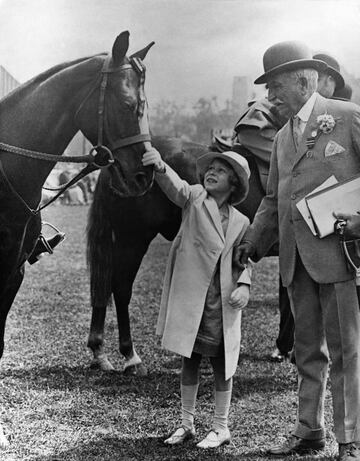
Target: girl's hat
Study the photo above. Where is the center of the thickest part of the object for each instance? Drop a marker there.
(238, 163)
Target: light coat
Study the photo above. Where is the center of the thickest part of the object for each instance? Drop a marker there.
(294, 173)
(192, 261)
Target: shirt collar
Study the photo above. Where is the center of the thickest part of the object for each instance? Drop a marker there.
(305, 112)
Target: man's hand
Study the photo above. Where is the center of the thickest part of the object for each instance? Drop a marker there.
(153, 157)
(243, 252)
(240, 297)
(352, 228)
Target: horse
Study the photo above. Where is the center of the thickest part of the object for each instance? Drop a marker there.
(119, 233)
(101, 95)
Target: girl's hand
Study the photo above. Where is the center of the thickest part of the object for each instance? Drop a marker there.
(153, 157)
(240, 297)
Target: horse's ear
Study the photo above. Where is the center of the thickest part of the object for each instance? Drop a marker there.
(120, 47)
(142, 53)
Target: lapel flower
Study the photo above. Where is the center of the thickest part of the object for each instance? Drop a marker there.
(326, 123)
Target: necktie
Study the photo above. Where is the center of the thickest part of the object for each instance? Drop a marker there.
(297, 130)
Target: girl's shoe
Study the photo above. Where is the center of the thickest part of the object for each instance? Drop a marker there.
(215, 438)
(180, 435)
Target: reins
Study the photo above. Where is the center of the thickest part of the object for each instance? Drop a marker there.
(99, 156)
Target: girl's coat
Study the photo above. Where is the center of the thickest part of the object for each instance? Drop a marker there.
(192, 261)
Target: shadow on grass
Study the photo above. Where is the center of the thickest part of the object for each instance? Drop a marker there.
(147, 449)
(164, 383)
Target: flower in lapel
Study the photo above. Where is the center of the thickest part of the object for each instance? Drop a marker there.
(326, 123)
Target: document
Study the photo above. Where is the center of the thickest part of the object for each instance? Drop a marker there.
(343, 196)
(303, 207)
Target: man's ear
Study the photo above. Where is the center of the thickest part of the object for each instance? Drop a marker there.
(304, 84)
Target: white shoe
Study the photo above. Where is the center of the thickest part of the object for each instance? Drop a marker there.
(215, 438)
(180, 435)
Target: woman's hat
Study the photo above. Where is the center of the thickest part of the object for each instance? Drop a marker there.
(287, 56)
(238, 163)
(333, 68)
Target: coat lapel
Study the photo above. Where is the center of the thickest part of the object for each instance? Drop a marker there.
(214, 214)
(311, 126)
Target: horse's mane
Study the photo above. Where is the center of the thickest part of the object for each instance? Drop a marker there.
(42, 77)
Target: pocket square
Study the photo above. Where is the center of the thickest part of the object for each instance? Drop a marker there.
(333, 148)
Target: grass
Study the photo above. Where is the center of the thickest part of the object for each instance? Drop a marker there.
(54, 408)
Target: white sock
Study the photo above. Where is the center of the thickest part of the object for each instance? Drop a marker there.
(188, 400)
(222, 407)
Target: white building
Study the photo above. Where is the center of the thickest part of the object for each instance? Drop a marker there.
(7, 82)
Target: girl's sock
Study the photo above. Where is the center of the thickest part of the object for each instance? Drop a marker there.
(188, 400)
(222, 406)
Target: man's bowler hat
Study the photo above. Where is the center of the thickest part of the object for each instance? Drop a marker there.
(333, 68)
(288, 56)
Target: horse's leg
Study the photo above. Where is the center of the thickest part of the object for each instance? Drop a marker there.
(6, 299)
(96, 339)
(128, 258)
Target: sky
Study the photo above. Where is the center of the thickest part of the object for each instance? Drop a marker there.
(200, 44)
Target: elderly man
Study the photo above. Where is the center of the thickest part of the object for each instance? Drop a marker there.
(321, 288)
(256, 130)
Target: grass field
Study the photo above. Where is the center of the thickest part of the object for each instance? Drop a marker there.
(54, 408)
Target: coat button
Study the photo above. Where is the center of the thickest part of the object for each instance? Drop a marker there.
(309, 154)
(293, 196)
(295, 173)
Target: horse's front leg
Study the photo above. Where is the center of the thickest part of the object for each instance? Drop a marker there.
(8, 293)
(7, 296)
(96, 339)
(128, 258)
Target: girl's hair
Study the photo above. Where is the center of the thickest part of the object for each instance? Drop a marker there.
(233, 179)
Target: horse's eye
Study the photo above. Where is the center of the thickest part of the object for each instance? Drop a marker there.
(129, 106)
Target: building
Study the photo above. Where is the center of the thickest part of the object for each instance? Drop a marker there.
(7, 82)
(241, 93)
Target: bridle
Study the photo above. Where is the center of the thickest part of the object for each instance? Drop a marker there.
(99, 156)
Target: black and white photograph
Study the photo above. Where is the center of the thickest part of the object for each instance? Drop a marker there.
(179, 230)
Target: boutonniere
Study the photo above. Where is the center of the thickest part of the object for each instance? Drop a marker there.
(326, 124)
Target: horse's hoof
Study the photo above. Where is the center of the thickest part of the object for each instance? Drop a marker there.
(136, 370)
(101, 363)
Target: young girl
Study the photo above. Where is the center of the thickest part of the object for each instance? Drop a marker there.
(204, 292)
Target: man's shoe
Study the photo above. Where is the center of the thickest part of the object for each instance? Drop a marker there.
(44, 245)
(180, 435)
(215, 438)
(349, 451)
(297, 445)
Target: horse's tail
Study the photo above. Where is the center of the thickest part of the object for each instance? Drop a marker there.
(99, 249)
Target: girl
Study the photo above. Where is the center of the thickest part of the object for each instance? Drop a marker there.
(204, 292)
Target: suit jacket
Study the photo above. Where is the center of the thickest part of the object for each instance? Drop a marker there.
(293, 174)
(193, 257)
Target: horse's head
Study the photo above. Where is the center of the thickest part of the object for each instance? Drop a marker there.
(113, 116)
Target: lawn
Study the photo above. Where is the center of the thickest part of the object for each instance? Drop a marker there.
(54, 407)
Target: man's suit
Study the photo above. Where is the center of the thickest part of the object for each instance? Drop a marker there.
(321, 287)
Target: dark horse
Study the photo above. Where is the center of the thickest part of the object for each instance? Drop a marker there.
(103, 96)
(119, 233)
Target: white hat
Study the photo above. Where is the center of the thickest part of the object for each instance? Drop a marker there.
(236, 161)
